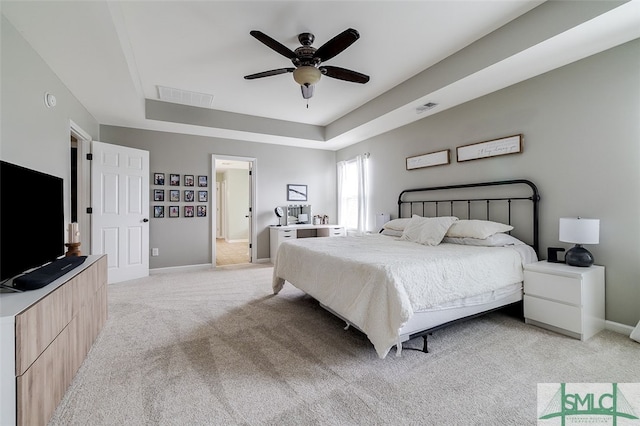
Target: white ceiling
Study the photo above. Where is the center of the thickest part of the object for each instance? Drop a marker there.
(113, 55)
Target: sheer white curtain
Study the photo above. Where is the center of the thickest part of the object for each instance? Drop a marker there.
(353, 187)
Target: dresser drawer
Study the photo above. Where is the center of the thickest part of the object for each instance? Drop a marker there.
(554, 287)
(553, 313)
(337, 232)
(287, 234)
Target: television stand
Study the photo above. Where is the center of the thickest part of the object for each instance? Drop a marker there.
(46, 334)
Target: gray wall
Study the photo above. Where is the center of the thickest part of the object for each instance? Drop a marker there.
(183, 241)
(581, 148)
(33, 135)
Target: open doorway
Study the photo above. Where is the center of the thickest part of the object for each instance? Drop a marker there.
(80, 188)
(232, 219)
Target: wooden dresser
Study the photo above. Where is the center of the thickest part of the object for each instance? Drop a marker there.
(45, 336)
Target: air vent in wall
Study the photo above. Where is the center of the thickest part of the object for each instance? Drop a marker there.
(185, 97)
(425, 107)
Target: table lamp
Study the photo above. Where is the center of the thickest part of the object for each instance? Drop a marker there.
(579, 231)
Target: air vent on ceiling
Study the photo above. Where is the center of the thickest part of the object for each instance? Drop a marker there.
(425, 107)
(185, 97)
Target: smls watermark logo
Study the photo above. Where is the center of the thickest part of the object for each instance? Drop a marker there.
(616, 404)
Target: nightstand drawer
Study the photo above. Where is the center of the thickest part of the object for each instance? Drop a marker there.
(554, 287)
(553, 313)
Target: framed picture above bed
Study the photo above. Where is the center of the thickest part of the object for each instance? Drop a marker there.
(437, 158)
(492, 148)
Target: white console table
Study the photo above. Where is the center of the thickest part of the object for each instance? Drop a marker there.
(278, 234)
(45, 335)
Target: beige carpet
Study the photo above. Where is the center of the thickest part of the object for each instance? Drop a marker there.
(216, 348)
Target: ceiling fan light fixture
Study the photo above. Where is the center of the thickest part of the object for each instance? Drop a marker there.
(307, 75)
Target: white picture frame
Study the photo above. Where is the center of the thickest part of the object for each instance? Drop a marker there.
(437, 158)
(491, 148)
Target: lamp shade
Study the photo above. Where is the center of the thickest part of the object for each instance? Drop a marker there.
(307, 75)
(579, 230)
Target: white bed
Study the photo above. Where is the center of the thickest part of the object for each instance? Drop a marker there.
(393, 290)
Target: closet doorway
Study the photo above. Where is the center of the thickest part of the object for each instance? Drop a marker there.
(232, 220)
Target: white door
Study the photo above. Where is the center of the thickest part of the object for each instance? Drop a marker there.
(120, 209)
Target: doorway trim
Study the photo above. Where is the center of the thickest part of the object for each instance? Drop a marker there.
(253, 199)
(84, 184)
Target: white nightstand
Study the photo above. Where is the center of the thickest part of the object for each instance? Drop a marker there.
(565, 299)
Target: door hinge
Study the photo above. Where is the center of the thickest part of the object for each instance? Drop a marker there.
(250, 210)
(250, 172)
(250, 246)
(89, 210)
(89, 156)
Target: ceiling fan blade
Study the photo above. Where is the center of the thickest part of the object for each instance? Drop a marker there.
(273, 44)
(268, 73)
(344, 74)
(337, 44)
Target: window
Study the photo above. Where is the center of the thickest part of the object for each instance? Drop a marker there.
(352, 194)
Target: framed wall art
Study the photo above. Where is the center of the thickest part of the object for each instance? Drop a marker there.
(174, 211)
(158, 178)
(174, 179)
(188, 180)
(430, 159)
(174, 195)
(188, 211)
(296, 192)
(492, 148)
(202, 211)
(188, 195)
(202, 181)
(158, 211)
(203, 196)
(158, 195)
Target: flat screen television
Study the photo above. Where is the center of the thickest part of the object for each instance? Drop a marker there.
(31, 219)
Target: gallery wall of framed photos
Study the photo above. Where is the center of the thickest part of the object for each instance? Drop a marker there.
(179, 195)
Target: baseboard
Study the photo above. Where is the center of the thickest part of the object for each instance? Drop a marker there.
(184, 268)
(618, 328)
(200, 267)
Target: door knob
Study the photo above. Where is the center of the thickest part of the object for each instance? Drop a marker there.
(145, 220)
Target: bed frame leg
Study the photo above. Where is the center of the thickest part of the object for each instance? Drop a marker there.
(425, 349)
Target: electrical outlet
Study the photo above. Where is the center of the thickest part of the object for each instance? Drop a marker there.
(155, 251)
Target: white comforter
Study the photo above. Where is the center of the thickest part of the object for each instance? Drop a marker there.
(377, 282)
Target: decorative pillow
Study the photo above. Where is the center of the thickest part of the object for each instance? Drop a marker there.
(495, 240)
(480, 229)
(391, 232)
(396, 224)
(428, 231)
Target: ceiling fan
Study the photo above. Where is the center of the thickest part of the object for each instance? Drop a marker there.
(307, 60)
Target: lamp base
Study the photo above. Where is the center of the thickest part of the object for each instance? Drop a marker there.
(579, 256)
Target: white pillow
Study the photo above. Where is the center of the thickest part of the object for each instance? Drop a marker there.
(480, 229)
(428, 231)
(495, 240)
(396, 224)
(391, 232)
